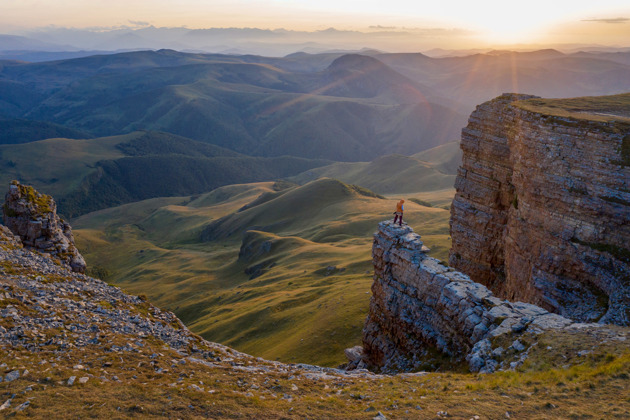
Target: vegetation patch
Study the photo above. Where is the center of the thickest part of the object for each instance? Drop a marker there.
(365, 192)
(615, 200)
(41, 202)
(576, 112)
(98, 272)
(421, 202)
(618, 252)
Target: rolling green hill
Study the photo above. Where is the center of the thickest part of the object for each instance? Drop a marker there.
(431, 170)
(15, 131)
(87, 175)
(342, 107)
(355, 109)
(286, 277)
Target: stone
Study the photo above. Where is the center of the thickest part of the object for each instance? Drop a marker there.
(71, 380)
(354, 354)
(379, 416)
(83, 379)
(12, 376)
(518, 346)
(23, 406)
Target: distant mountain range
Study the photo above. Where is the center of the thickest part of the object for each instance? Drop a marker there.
(165, 123)
(354, 109)
(270, 42)
(345, 107)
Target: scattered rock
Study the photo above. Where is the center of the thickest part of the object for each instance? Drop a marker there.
(12, 376)
(518, 346)
(23, 406)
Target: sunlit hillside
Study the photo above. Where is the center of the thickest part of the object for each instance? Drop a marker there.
(286, 278)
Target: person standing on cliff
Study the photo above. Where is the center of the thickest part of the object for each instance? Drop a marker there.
(399, 212)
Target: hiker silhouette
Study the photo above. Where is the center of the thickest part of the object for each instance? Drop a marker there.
(398, 214)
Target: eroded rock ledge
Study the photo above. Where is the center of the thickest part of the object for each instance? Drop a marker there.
(419, 304)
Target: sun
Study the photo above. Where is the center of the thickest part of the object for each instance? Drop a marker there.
(499, 26)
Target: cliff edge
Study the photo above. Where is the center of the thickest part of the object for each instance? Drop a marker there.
(542, 208)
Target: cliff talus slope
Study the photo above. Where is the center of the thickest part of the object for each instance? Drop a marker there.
(542, 209)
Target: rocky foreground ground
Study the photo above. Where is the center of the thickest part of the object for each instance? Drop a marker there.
(72, 346)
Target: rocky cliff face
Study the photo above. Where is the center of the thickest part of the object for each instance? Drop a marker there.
(33, 218)
(542, 210)
(420, 305)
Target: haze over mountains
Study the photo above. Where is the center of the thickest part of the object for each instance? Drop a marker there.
(37, 44)
(220, 117)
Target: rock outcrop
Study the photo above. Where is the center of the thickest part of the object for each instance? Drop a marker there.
(420, 305)
(542, 209)
(33, 218)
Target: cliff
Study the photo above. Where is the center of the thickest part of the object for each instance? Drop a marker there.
(542, 209)
(420, 305)
(33, 218)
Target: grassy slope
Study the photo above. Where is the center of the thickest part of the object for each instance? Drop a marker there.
(597, 108)
(86, 175)
(594, 386)
(431, 170)
(288, 305)
(56, 166)
(352, 111)
(16, 131)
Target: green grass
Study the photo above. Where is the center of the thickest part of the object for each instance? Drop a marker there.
(87, 175)
(56, 166)
(594, 386)
(591, 108)
(277, 299)
(396, 173)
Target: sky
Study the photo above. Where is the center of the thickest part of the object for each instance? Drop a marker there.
(482, 21)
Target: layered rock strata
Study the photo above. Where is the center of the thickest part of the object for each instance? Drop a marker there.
(419, 304)
(542, 210)
(33, 218)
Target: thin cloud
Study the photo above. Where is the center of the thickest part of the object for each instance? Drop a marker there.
(139, 23)
(609, 20)
(382, 27)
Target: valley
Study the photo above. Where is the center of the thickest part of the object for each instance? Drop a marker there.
(286, 279)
